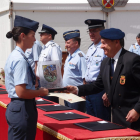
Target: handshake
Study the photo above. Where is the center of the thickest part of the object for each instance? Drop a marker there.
(68, 89)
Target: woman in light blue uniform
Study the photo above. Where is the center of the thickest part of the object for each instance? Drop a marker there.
(21, 113)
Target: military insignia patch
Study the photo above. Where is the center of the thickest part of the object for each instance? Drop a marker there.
(71, 64)
(122, 80)
(97, 55)
(50, 72)
(108, 3)
(53, 44)
(80, 54)
(134, 46)
(97, 63)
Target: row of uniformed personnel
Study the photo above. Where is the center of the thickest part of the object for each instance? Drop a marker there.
(21, 113)
(20, 72)
(112, 46)
(78, 69)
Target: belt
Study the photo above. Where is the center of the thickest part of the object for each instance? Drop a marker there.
(20, 99)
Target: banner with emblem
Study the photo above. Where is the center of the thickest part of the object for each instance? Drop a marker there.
(108, 3)
(50, 74)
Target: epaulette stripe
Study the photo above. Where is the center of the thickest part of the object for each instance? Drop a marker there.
(70, 33)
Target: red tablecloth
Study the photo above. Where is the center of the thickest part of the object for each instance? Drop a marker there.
(51, 129)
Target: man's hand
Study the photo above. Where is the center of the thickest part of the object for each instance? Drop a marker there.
(84, 97)
(72, 89)
(132, 116)
(105, 100)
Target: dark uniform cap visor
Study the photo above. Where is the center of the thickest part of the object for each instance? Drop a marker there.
(47, 29)
(94, 23)
(43, 31)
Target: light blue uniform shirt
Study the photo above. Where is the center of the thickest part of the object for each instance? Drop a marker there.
(74, 69)
(94, 57)
(17, 72)
(33, 54)
(135, 48)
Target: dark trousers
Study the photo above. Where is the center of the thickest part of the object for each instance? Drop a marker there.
(95, 106)
(21, 116)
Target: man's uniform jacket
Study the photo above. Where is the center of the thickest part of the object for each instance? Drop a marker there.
(124, 90)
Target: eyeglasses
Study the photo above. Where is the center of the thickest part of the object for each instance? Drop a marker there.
(93, 31)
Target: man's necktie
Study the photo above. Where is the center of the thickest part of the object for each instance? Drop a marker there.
(111, 69)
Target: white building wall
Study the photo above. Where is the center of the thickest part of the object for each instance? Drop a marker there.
(5, 46)
(64, 21)
(4, 5)
(127, 21)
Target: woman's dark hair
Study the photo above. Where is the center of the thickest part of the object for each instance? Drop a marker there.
(16, 32)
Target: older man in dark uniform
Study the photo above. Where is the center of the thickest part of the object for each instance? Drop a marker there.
(120, 77)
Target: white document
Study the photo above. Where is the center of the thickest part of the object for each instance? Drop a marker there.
(50, 74)
(102, 121)
(72, 98)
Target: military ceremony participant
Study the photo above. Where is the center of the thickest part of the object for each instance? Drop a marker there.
(120, 77)
(75, 65)
(21, 113)
(50, 50)
(33, 56)
(94, 57)
(135, 48)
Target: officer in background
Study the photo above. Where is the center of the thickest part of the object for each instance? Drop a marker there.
(94, 57)
(33, 56)
(50, 50)
(135, 48)
(75, 65)
(21, 113)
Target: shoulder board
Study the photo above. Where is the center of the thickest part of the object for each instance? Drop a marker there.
(80, 54)
(53, 44)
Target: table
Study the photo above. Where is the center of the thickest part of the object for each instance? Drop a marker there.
(51, 129)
